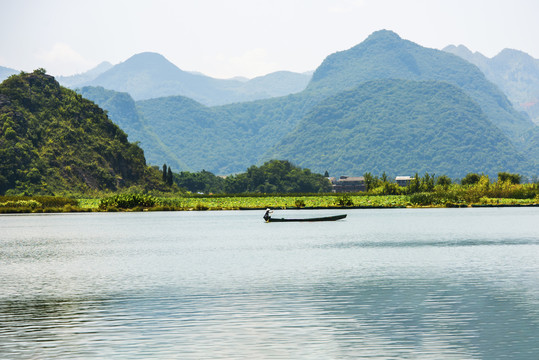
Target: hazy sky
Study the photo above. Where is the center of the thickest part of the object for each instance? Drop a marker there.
(247, 37)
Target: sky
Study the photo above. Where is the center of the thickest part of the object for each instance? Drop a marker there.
(249, 38)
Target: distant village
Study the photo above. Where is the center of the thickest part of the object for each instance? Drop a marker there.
(357, 183)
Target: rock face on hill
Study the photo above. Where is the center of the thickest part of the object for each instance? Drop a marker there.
(52, 139)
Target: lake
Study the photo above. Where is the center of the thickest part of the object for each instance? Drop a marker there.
(381, 284)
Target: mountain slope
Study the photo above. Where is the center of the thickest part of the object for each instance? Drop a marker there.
(52, 139)
(514, 72)
(399, 127)
(384, 55)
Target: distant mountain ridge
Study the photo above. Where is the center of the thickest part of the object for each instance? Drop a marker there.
(150, 75)
(514, 72)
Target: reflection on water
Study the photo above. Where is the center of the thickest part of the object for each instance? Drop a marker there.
(444, 284)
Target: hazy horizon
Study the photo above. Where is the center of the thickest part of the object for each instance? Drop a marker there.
(245, 38)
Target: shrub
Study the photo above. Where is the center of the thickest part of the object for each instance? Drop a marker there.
(200, 206)
(345, 200)
(423, 198)
(127, 201)
(470, 179)
(30, 204)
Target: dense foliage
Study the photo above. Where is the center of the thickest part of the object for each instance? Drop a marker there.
(224, 139)
(53, 140)
(274, 176)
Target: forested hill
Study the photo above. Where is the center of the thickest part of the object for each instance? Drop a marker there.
(52, 139)
(396, 126)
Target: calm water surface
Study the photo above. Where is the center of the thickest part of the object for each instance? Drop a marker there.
(382, 284)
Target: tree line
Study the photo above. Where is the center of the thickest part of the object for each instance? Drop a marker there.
(275, 176)
(281, 176)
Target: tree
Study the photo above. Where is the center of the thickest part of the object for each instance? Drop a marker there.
(169, 177)
(470, 179)
(443, 180)
(369, 181)
(512, 178)
(427, 182)
(165, 173)
(415, 184)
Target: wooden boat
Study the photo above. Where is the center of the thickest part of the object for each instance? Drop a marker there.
(324, 218)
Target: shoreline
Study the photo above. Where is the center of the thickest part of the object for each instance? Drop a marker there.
(161, 208)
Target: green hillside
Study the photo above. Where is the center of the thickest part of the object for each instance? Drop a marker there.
(52, 139)
(224, 139)
(198, 135)
(400, 127)
(532, 148)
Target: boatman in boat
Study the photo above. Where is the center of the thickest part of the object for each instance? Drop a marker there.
(267, 215)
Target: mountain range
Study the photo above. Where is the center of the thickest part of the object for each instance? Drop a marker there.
(386, 104)
(150, 75)
(228, 138)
